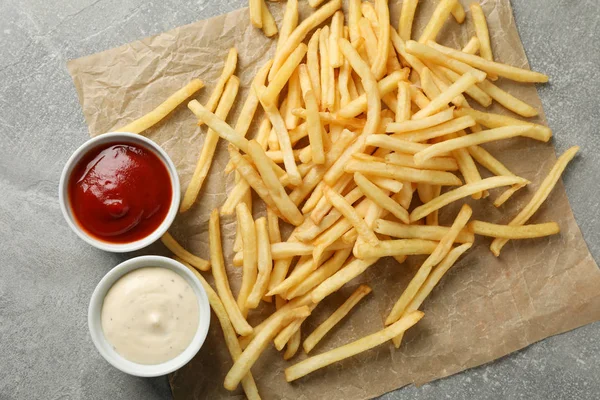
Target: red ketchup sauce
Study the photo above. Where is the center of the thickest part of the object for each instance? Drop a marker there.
(120, 192)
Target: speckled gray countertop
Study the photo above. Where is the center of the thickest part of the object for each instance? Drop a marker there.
(47, 274)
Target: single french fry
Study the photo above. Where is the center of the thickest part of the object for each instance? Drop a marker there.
(269, 26)
(255, 7)
(249, 108)
(289, 22)
(367, 33)
(349, 271)
(238, 321)
(264, 263)
(457, 88)
(458, 12)
(294, 100)
(438, 19)
(313, 122)
(464, 191)
(514, 232)
(492, 67)
(380, 198)
(228, 70)
(249, 356)
(481, 29)
(383, 44)
(231, 340)
(293, 345)
(437, 163)
(298, 35)
(404, 174)
(472, 47)
(403, 110)
(312, 364)
(210, 146)
(400, 247)
(315, 337)
(182, 253)
(426, 232)
(489, 120)
(470, 140)
(440, 252)
(443, 129)
(337, 27)
(283, 75)
(247, 226)
(539, 197)
(424, 123)
(392, 185)
(163, 109)
(354, 15)
(313, 64)
(407, 15)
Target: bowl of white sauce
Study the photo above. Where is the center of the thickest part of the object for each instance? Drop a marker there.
(149, 316)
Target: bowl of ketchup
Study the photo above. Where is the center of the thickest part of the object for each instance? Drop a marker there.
(119, 192)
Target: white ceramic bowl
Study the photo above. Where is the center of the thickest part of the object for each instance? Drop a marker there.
(118, 137)
(95, 317)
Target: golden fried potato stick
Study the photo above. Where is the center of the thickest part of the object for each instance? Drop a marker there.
(539, 197)
(427, 232)
(404, 174)
(400, 247)
(248, 229)
(294, 100)
(393, 143)
(472, 47)
(403, 110)
(313, 119)
(443, 129)
(315, 337)
(182, 253)
(231, 340)
(265, 263)
(378, 196)
(276, 84)
(514, 232)
(314, 363)
(210, 146)
(458, 12)
(337, 28)
(238, 321)
(481, 29)
(327, 73)
(269, 27)
(470, 140)
(464, 191)
(313, 65)
(438, 19)
(437, 163)
(407, 15)
(163, 109)
(298, 35)
(383, 45)
(283, 202)
(255, 8)
(492, 67)
(228, 70)
(440, 252)
(289, 22)
(353, 268)
(367, 33)
(249, 356)
(293, 345)
(489, 120)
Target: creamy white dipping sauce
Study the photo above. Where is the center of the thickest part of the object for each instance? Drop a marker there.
(150, 315)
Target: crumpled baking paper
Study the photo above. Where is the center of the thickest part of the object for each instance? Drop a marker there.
(484, 308)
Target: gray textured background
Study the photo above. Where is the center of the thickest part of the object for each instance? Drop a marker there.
(47, 274)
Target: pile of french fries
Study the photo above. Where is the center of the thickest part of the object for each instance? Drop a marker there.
(366, 136)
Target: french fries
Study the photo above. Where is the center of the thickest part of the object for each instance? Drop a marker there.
(352, 167)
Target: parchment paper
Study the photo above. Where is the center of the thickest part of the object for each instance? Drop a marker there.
(484, 308)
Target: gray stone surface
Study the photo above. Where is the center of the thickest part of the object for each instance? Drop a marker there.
(47, 274)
